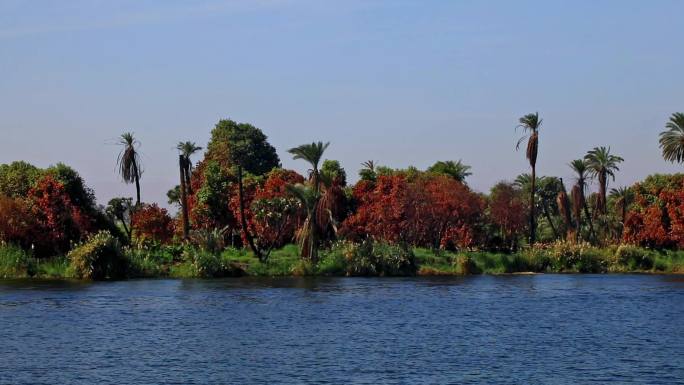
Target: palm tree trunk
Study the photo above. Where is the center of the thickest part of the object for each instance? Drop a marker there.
(184, 198)
(592, 234)
(533, 229)
(137, 183)
(188, 184)
(243, 218)
(548, 219)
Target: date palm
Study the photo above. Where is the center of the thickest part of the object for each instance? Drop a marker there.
(187, 150)
(185, 165)
(622, 197)
(601, 164)
(672, 140)
(128, 162)
(530, 125)
(311, 153)
(579, 202)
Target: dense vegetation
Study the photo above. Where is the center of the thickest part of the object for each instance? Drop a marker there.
(240, 213)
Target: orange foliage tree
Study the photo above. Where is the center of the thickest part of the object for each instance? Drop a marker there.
(422, 210)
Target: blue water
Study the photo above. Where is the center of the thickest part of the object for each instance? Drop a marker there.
(544, 329)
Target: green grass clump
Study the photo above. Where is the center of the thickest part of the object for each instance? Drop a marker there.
(55, 267)
(16, 262)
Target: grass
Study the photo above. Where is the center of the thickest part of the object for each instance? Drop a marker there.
(340, 260)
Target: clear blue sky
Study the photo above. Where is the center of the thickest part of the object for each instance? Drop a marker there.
(401, 82)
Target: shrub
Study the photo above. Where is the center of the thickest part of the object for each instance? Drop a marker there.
(577, 257)
(635, 258)
(206, 264)
(99, 257)
(379, 258)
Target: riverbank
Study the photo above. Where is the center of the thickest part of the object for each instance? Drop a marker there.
(347, 259)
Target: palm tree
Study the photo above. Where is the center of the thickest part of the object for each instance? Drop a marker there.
(187, 149)
(602, 164)
(672, 140)
(563, 203)
(185, 165)
(579, 202)
(623, 198)
(128, 162)
(306, 236)
(312, 153)
(457, 170)
(530, 125)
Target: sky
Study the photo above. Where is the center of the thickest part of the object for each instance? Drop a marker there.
(399, 82)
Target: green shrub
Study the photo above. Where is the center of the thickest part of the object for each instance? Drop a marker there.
(635, 257)
(206, 264)
(16, 262)
(379, 258)
(99, 257)
(333, 261)
(576, 257)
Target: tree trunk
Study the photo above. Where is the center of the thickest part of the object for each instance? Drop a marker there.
(548, 218)
(184, 198)
(188, 172)
(243, 218)
(592, 234)
(137, 183)
(533, 229)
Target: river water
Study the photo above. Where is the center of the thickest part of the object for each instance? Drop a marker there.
(541, 329)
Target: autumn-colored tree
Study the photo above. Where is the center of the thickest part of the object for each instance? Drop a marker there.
(655, 216)
(151, 223)
(428, 210)
(17, 222)
(507, 211)
(60, 222)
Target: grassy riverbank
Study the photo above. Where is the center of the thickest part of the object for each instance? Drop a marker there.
(347, 259)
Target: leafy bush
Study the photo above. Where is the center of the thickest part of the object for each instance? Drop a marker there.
(576, 257)
(635, 257)
(206, 264)
(378, 258)
(15, 262)
(99, 257)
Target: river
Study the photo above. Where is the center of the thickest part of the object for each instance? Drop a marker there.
(538, 329)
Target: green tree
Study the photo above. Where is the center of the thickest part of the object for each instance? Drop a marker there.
(456, 170)
(311, 153)
(601, 164)
(249, 151)
(368, 171)
(334, 171)
(530, 125)
(17, 178)
(128, 162)
(672, 140)
(120, 210)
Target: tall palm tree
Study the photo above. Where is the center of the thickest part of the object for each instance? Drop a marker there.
(187, 149)
(311, 153)
(623, 198)
(530, 125)
(128, 162)
(579, 202)
(672, 140)
(185, 165)
(602, 164)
